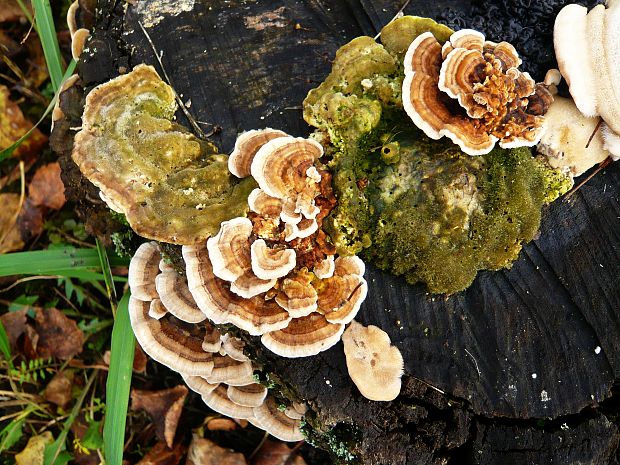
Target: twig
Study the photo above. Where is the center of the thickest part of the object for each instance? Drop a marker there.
(260, 444)
(293, 453)
(598, 125)
(475, 362)
(602, 165)
(201, 134)
(25, 280)
(396, 16)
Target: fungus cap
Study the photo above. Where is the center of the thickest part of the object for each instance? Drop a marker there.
(157, 310)
(375, 366)
(250, 395)
(270, 263)
(171, 186)
(233, 347)
(280, 165)
(174, 294)
(168, 343)
(143, 268)
(340, 297)
(230, 371)
(218, 400)
(297, 295)
(276, 423)
(303, 337)
(198, 384)
(263, 204)
(246, 146)
(78, 40)
(214, 297)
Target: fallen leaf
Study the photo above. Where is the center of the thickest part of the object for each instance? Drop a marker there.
(15, 325)
(30, 221)
(221, 424)
(10, 11)
(164, 407)
(46, 188)
(205, 452)
(13, 125)
(276, 453)
(59, 335)
(10, 237)
(33, 452)
(58, 390)
(161, 455)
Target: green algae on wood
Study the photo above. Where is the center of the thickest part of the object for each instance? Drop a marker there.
(171, 186)
(413, 206)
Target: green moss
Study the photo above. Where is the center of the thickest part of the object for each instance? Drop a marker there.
(413, 206)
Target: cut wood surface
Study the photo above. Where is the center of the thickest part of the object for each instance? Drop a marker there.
(519, 363)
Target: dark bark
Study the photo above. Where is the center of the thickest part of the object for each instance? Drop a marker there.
(538, 341)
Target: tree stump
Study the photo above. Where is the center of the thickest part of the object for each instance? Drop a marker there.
(520, 368)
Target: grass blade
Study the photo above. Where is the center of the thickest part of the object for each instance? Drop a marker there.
(7, 152)
(5, 347)
(107, 275)
(63, 261)
(118, 384)
(49, 40)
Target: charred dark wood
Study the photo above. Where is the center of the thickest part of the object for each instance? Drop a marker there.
(514, 370)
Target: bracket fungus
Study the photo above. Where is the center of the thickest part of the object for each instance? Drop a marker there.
(212, 364)
(257, 271)
(375, 366)
(171, 186)
(471, 91)
(588, 54)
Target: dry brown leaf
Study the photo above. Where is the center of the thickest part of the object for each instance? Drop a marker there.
(46, 188)
(10, 11)
(164, 407)
(221, 424)
(15, 325)
(205, 452)
(161, 455)
(33, 452)
(59, 335)
(58, 390)
(10, 237)
(30, 221)
(13, 125)
(276, 453)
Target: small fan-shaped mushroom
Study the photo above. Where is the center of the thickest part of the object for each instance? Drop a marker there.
(233, 347)
(276, 422)
(78, 40)
(218, 400)
(212, 341)
(251, 395)
(263, 204)
(246, 146)
(227, 249)
(174, 294)
(230, 371)
(214, 297)
(71, 17)
(143, 268)
(374, 365)
(303, 337)
(280, 166)
(340, 297)
(157, 309)
(297, 295)
(296, 411)
(349, 265)
(325, 268)
(169, 343)
(198, 384)
(271, 263)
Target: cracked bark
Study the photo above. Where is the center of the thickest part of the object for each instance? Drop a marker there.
(517, 369)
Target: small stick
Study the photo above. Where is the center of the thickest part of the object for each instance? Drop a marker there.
(190, 118)
(396, 16)
(598, 125)
(602, 165)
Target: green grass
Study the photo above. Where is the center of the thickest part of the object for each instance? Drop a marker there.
(84, 264)
(118, 384)
(49, 40)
